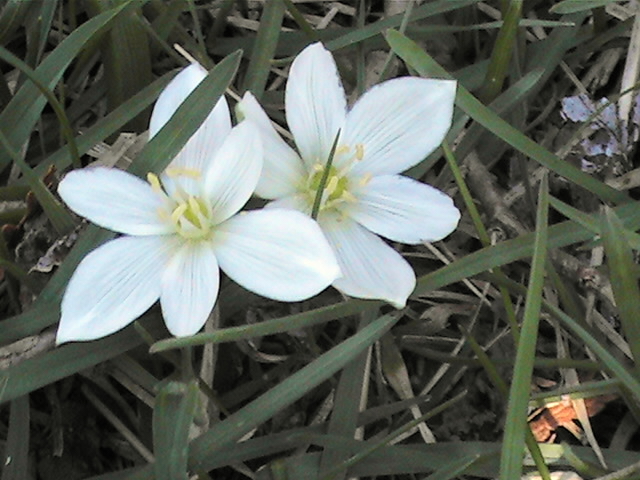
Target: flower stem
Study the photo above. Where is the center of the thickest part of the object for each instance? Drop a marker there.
(323, 181)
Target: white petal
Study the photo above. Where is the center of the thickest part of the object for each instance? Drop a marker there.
(283, 169)
(112, 286)
(399, 123)
(370, 268)
(189, 288)
(177, 91)
(404, 210)
(315, 103)
(115, 200)
(233, 175)
(280, 254)
(201, 148)
(293, 202)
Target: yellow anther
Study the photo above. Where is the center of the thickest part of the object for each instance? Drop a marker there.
(318, 167)
(332, 184)
(178, 212)
(348, 196)
(359, 151)
(154, 181)
(342, 149)
(162, 213)
(366, 178)
(183, 172)
(194, 205)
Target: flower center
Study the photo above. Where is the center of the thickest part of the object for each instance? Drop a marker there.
(335, 190)
(189, 214)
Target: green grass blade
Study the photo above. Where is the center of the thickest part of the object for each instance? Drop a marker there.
(425, 65)
(126, 57)
(573, 6)
(344, 416)
(265, 47)
(516, 421)
(502, 52)
(16, 451)
(285, 393)
(424, 11)
(269, 327)
(173, 413)
(624, 280)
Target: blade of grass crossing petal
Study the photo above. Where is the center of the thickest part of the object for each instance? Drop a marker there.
(516, 420)
(323, 180)
(501, 53)
(55, 212)
(351, 389)
(28, 102)
(168, 142)
(624, 280)
(425, 65)
(285, 393)
(573, 6)
(264, 47)
(173, 414)
(270, 327)
(16, 451)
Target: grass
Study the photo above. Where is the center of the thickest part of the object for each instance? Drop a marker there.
(531, 303)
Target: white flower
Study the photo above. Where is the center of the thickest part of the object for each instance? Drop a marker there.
(182, 227)
(392, 127)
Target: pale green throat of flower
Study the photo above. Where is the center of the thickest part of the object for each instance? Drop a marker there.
(190, 215)
(328, 187)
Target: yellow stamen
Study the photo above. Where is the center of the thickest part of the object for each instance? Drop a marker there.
(183, 172)
(348, 196)
(366, 178)
(332, 184)
(359, 151)
(194, 205)
(179, 210)
(342, 149)
(154, 181)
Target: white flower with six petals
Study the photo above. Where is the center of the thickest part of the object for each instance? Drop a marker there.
(394, 126)
(182, 227)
